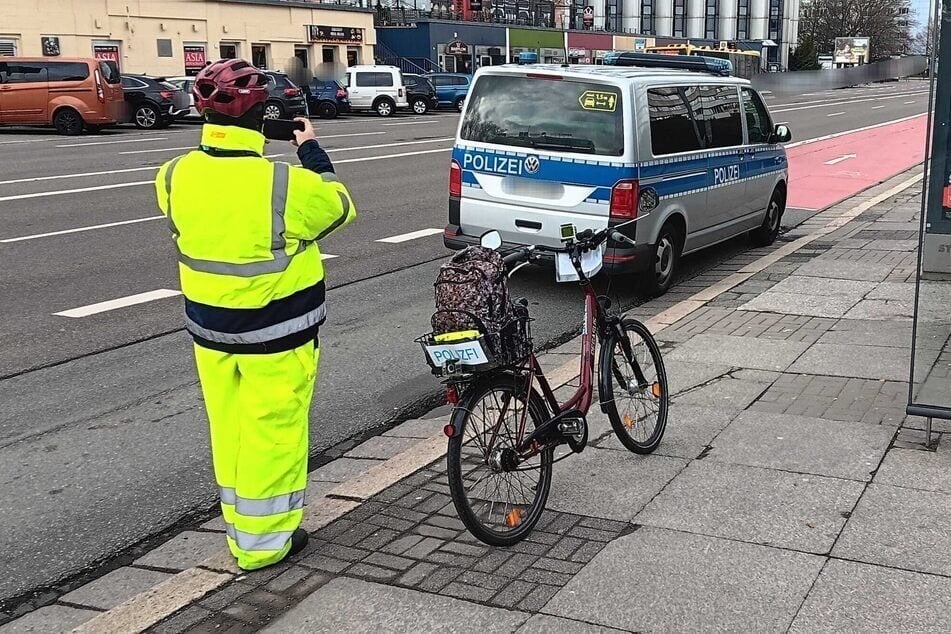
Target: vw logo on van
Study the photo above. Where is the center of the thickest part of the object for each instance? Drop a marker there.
(532, 164)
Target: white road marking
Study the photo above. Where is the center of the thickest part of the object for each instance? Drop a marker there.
(59, 176)
(63, 192)
(122, 302)
(373, 147)
(413, 235)
(192, 147)
(845, 132)
(837, 160)
(386, 156)
(835, 114)
(907, 103)
(158, 138)
(385, 125)
(878, 107)
(327, 256)
(837, 102)
(81, 229)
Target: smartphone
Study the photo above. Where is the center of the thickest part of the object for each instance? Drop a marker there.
(281, 129)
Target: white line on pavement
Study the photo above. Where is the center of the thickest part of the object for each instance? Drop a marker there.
(385, 125)
(386, 156)
(62, 192)
(910, 102)
(158, 138)
(838, 102)
(192, 147)
(413, 235)
(122, 302)
(835, 114)
(59, 176)
(373, 147)
(878, 107)
(80, 229)
(327, 256)
(845, 132)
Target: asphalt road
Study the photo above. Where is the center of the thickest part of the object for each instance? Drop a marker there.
(102, 434)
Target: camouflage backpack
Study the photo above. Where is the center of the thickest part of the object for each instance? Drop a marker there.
(472, 293)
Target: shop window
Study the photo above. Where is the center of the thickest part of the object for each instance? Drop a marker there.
(259, 55)
(164, 48)
(743, 20)
(647, 17)
(353, 56)
(711, 26)
(329, 54)
(303, 57)
(228, 51)
(8, 48)
(680, 18)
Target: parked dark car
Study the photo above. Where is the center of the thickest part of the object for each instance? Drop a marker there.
(421, 93)
(451, 88)
(153, 102)
(285, 100)
(327, 99)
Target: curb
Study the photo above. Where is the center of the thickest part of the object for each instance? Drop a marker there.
(152, 606)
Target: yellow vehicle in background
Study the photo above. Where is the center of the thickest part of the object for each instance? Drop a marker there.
(746, 64)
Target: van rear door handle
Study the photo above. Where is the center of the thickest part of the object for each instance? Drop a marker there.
(528, 224)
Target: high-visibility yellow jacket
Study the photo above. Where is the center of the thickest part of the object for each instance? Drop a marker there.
(246, 230)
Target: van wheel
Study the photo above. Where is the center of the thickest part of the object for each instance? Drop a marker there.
(384, 107)
(147, 117)
(67, 121)
(327, 110)
(460, 104)
(767, 233)
(665, 262)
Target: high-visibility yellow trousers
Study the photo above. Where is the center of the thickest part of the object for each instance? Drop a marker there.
(258, 406)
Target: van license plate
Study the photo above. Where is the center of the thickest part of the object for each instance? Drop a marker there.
(463, 353)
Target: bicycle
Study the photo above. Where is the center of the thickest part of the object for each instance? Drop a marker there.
(494, 395)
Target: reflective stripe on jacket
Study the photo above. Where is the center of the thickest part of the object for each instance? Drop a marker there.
(246, 230)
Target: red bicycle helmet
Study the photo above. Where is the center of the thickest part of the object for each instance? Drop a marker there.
(230, 87)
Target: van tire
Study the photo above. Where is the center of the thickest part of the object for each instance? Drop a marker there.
(664, 264)
(147, 117)
(766, 234)
(420, 106)
(459, 104)
(68, 122)
(385, 107)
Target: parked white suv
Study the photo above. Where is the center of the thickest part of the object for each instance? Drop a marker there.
(377, 88)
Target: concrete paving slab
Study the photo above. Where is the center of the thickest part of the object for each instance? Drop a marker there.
(215, 524)
(349, 605)
(893, 291)
(893, 245)
(861, 332)
(864, 362)
(902, 528)
(914, 469)
(183, 551)
(831, 287)
(804, 445)
(610, 483)
(845, 269)
(726, 394)
(754, 505)
(317, 489)
(660, 580)
(854, 597)
(114, 588)
(793, 304)
(52, 619)
(689, 430)
(683, 375)
(342, 469)
(739, 352)
(382, 448)
(421, 429)
(544, 624)
(888, 310)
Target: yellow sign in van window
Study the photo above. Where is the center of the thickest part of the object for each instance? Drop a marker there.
(598, 100)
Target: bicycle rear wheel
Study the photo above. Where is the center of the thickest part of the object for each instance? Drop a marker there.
(633, 387)
(500, 507)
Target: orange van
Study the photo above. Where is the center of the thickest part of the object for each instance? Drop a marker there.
(69, 94)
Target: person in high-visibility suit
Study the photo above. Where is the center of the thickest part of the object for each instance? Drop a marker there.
(246, 231)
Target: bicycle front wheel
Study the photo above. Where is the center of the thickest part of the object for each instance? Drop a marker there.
(498, 504)
(633, 387)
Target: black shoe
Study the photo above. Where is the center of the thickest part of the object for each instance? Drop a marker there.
(298, 541)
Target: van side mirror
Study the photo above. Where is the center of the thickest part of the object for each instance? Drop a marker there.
(782, 134)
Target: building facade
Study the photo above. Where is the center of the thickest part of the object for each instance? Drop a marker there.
(176, 37)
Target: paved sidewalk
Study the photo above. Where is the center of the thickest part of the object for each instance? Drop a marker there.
(790, 492)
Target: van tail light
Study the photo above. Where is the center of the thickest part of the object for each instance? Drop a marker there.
(455, 180)
(291, 92)
(100, 93)
(400, 93)
(624, 200)
(341, 93)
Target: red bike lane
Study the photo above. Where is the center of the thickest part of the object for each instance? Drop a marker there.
(825, 172)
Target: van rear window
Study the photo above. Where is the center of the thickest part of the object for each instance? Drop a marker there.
(110, 71)
(546, 114)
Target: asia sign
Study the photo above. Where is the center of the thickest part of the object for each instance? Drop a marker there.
(194, 59)
(851, 50)
(347, 34)
(106, 52)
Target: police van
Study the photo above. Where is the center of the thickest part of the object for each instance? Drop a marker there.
(676, 142)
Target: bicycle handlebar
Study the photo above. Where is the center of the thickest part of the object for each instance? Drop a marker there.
(586, 240)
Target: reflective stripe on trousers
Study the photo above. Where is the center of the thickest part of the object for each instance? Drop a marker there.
(283, 503)
(256, 543)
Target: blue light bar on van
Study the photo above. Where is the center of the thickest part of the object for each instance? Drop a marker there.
(722, 67)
